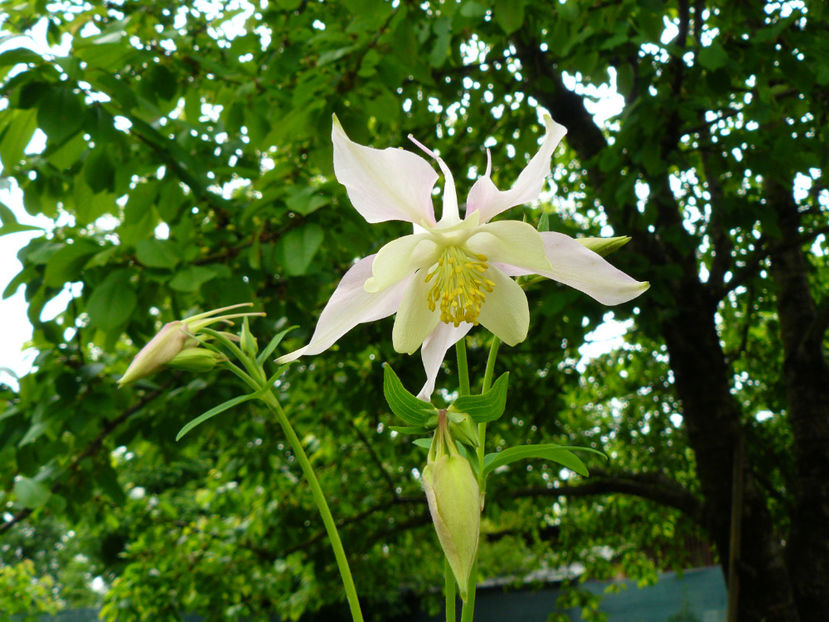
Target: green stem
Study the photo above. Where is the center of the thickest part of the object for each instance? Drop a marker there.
(468, 610)
(463, 368)
(490, 363)
(322, 505)
(449, 590)
(487, 383)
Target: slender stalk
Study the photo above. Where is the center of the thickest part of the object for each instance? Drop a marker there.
(468, 611)
(463, 368)
(321, 503)
(490, 363)
(449, 590)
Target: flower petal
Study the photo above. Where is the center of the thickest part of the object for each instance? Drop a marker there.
(485, 197)
(510, 242)
(434, 351)
(581, 268)
(414, 319)
(505, 312)
(349, 305)
(384, 184)
(450, 215)
(400, 258)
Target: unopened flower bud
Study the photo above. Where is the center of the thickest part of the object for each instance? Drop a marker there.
(454, 503)
(247, 341)
(196, 359)
(161, 349)
(463, 428)
(174, 338)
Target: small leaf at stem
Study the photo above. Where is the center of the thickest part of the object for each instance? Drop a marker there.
(402, 403)
(488, 406)
(215, 411)
(556, 453)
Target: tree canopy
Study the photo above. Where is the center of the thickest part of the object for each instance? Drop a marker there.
(184, 151)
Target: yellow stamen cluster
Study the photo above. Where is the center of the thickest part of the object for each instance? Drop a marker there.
(459, 285)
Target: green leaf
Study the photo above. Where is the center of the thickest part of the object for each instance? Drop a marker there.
(473, 10)
(487, 407)
(297, 248)
(9, 224)
(712, 57)
(66, 264)
(98, 171)
(273, 344)
(20, 126)
(426, 443)
(402, 403)
(509, 15)
(442, 29)
(140, 218)
(555, 453)
(30, 493)
(60, 114)
(112, 302)
(305, 201)
(215, 411)
(191, 278)
(10, 58)
(156, 253)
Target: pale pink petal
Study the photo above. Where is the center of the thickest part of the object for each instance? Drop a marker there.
(581, 268)
(349, 305)
(384, 184)
(485, 197)
(449, 215)
(434, 351)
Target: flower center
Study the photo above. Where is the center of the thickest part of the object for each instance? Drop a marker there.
(458, 285)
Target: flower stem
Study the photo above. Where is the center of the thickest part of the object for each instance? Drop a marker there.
(449, 590)
(463, 368)
(321, 503)
(487, 383)
(468, 611)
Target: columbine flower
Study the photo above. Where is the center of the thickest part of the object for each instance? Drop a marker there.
(451, 274)
(175, 344)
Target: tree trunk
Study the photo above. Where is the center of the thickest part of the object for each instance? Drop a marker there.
(806, 377)
(702, 376)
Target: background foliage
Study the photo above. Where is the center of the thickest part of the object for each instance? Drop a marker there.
(183, 151)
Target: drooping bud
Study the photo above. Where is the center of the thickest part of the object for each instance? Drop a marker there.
(454, 503)
(160, 350)
(604, 246)
(173, 339)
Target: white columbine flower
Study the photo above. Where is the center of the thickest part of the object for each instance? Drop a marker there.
(451, 274)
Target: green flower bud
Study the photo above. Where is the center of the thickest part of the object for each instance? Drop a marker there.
(247, 341)
(604, 246)
(196, 359)
(463, 428)
(172, 339)
(454, 503)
